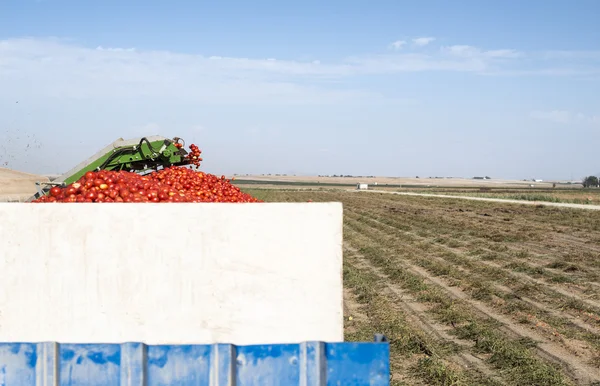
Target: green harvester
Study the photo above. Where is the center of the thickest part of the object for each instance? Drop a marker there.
(140, 155)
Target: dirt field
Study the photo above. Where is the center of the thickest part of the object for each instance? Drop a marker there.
(371, 181)
(17, 186)
(473, 293)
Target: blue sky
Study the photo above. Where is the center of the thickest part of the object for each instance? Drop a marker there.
(399, 88)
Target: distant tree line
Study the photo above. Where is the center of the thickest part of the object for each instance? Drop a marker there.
(590, 182)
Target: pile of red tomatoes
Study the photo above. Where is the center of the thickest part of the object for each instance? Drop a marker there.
(174, 184)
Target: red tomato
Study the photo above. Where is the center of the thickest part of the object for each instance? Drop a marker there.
(55, 191)
(91, 195)
(70, 190)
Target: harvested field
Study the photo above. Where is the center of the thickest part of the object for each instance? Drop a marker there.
(394, 181)
(470, 292)
(560, 195)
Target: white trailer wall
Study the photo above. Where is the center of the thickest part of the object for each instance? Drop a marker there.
(171, 273)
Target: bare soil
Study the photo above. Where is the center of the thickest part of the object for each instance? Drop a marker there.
(18, 186)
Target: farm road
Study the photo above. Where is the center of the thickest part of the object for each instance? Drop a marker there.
(556, 204)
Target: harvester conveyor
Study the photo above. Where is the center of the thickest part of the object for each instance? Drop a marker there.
(139, 155)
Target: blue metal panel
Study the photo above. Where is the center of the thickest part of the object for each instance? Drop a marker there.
(137, 364)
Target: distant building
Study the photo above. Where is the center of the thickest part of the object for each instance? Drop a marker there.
(362, 186)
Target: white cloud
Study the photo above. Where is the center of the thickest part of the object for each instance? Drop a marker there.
(411, 62)
(100, 48)
(565, 117)
(62, 69)
(557, 54)
(423, 41)
(461, 50)
(502, 53)
(470, 51)
(559, 116)
(398, 44)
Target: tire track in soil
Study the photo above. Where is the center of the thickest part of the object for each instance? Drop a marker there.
(415, 313)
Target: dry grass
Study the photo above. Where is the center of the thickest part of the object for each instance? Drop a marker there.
(574, 196)
(471, 293)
